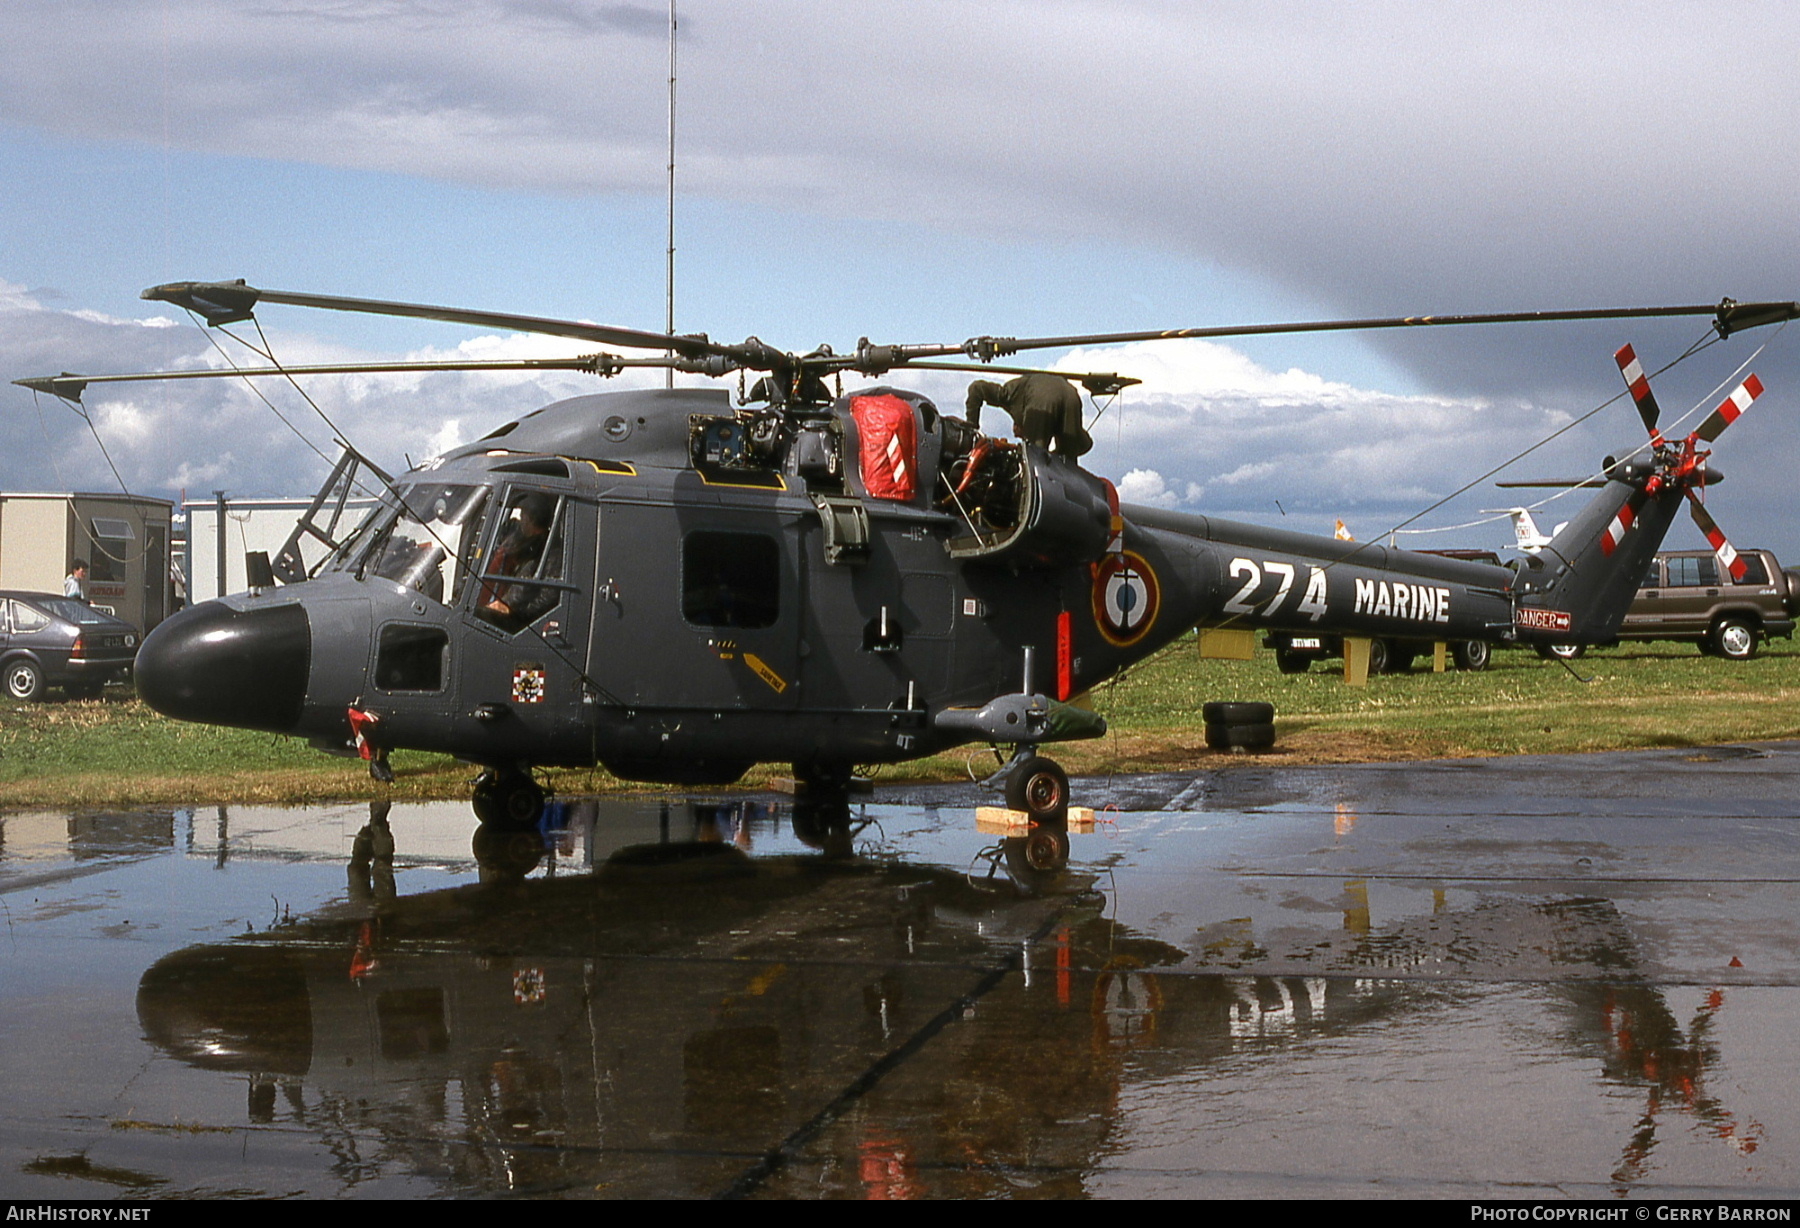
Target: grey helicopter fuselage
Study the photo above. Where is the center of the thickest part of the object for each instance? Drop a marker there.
(714, 588)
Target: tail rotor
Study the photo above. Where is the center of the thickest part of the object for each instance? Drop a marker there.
(1680, 465)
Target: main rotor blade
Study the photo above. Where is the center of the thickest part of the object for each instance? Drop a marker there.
(70, 386)
(228, 302)
(1728, 317)
(1101, 384)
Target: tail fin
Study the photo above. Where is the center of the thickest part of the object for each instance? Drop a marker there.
(1578, 587)
(1582, 590)
(1526, 535)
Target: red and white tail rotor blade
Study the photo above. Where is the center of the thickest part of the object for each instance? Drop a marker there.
(1730, 409)
(1639, 383)
(1715, 537)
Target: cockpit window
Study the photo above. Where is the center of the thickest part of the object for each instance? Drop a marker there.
(424, 538)
(521, 578)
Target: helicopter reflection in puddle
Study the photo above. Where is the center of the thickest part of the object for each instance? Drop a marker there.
(669, 1016)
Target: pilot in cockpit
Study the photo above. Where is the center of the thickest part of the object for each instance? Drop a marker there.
(526, 549)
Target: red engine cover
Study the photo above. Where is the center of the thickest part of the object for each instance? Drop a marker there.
(890, 446)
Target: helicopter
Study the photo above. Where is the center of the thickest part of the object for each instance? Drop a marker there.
(675, 586)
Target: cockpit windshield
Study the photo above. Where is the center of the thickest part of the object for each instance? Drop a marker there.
(422, 537)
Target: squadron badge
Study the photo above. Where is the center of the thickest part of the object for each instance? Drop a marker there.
(1126, 597)
(528, 685)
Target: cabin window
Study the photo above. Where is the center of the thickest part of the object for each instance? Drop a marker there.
(730, 579)
(411, 658)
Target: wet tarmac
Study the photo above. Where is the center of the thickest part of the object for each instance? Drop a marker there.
(1503, 978)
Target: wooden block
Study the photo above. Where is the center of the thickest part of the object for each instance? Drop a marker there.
(999, 821)
(1227, 643)
(1356, 660)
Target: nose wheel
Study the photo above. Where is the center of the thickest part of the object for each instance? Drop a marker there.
(507, 797)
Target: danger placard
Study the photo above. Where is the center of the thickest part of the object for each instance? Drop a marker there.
(1541, 620)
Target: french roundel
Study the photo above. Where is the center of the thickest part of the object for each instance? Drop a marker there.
(1126, 597)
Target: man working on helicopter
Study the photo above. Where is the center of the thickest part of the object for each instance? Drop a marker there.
(1045, 409)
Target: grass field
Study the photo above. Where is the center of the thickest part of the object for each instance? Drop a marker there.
(114, 751)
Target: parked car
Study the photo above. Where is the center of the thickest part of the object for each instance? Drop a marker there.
(1295, 652)
(1687, 596)
(47, 641)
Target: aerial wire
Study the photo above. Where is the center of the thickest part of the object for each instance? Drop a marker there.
(669, 372)
(1704, 403)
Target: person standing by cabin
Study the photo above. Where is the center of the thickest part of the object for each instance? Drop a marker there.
(75, 584)
(1045, 410)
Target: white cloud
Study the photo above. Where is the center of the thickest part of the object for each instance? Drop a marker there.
(1382, 159)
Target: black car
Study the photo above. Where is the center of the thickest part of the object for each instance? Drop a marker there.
(47, 641)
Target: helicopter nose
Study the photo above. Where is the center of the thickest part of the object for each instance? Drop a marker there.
(220, 666)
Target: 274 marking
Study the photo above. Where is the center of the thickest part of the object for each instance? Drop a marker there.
(1312, 601)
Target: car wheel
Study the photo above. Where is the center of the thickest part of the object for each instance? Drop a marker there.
(1734, 639)
(1290, 662)
(24, 680)
(85, 690)
(1472, 654)
(1562, 652)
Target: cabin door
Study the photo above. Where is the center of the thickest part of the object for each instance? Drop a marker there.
(695, 608)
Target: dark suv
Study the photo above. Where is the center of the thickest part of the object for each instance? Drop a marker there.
(48, 641)
(1688, 596)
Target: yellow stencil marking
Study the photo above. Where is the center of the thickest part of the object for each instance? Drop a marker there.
(776, 682)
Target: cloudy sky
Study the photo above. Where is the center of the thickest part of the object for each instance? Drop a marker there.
(920, 172)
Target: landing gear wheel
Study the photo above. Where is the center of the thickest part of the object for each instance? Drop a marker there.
(24, 681)
(1734, 639)
(1471, 654)
(1039, 787)
(1290, 662)
(1378, 656)
(508, 799)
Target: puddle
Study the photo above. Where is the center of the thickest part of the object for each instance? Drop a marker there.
(694, 997)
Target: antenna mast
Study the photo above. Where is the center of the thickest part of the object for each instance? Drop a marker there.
(669, 373)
